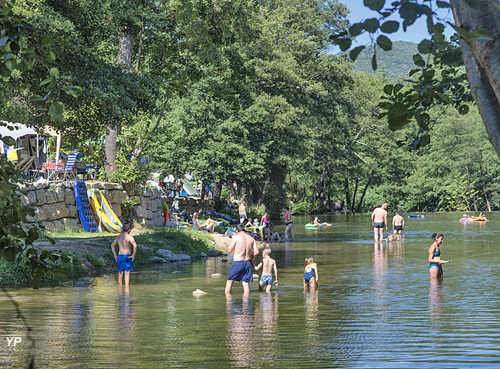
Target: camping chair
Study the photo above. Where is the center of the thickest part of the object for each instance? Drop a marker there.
(70, 168)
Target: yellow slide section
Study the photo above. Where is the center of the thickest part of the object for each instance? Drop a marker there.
(103, 213)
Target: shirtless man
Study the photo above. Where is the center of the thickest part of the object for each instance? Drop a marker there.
(398, 223)
(379, 220)
(124, 259)
(242, 211)
(245, 249)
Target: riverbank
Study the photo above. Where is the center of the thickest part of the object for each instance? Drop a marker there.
(91, 254)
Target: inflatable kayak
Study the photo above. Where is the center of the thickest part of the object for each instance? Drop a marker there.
(103, 212)
(217, 215)
(417, 216)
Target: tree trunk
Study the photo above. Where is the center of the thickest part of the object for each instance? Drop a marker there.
(347, 194)
(216, 196)
(123, 59)
(202, 192)
(482, 62)
(320, 182)
(354, 196)
(262, 194)
(363, 196)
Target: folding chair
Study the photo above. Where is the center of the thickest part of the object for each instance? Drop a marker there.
(70, 168)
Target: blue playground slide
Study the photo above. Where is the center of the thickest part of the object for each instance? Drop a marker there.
(83, 205)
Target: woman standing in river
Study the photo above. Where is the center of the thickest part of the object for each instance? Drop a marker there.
(287, 217)
(435, 262)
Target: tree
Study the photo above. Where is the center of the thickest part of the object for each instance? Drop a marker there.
(478, 26)
(19, 56)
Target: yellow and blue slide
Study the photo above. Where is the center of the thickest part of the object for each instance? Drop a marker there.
(103, 213)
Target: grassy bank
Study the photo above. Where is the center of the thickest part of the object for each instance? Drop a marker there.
(91, 254)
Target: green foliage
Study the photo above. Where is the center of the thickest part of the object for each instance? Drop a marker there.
(96, 263)
(255, 211)
(180, 241)
(19, 272)
(127, 205)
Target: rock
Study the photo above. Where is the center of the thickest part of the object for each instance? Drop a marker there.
(24, 199)
(73, 211)
(158, 221)
(117, 209)
(157, 259)
(69, 197)
(211, 252)
(140, 211)
(199, 292)
(203, 255)
(98, 185)
(144, 202)
(184, 257)
(51, 197)
(70, 224)
(118, 197)
(30, 219)
(53, 211)
(150, 214)
(168, 255)
(49, 226)
(149, 223)
(41, 184)
(215, 275)
(60, 194)
(58, 225)
(41, 199)
(31, 197)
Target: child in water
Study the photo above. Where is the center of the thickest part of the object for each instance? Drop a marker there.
(310, 272)
(255, 222)
(267, 271)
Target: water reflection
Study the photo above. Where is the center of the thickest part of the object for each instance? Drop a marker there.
(436, 309)
(311, 306)
(266, 322)
(241, 338)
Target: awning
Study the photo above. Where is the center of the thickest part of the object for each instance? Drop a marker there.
(20, 130)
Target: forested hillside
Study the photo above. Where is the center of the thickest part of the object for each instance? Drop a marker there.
(395, 62)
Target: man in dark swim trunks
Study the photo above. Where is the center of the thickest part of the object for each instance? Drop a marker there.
(245, 249)
(398, 223)
(379, 221)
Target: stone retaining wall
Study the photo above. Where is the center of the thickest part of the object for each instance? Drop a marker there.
(55, 204)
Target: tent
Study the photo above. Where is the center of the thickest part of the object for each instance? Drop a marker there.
(18, 130)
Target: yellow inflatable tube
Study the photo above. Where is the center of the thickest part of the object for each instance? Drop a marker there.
(103, 213)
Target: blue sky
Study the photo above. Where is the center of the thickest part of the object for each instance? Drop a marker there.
(415, 33)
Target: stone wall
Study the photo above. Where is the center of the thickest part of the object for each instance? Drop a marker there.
(191, 204)
(55, 204)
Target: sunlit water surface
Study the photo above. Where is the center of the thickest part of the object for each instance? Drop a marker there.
(375, 308)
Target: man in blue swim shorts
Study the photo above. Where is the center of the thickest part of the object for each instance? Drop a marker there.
(125, 258)
(242, 211)
(379, 221)
(245, 249)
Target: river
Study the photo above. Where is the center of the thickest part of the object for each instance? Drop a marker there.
(375, 307)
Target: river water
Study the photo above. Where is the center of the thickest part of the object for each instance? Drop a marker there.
(375, 308)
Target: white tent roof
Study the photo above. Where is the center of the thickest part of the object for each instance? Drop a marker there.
(19, 130)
